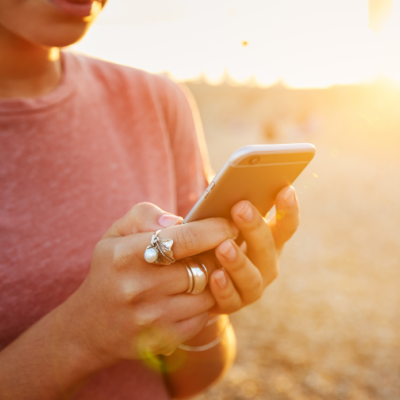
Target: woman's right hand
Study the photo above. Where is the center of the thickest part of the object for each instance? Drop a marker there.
(127, 308)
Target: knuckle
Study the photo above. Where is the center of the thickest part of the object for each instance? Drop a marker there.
(230, 231)
(126, 255)
(126, 293)
(131, 218)
(235, 306)
(144, 208)
(129, 291)
(133, 288)
(186, 238)
(222, 228)
(227, 294)
(255, 288)
(237, 267)
(141, 208)
(226, 229)
(137, 210)
(137, 214)
(147, 317)
(120, 258)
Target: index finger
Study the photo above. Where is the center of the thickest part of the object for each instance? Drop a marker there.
(194, 237)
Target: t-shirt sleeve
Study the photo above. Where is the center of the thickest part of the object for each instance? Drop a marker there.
(192, 168)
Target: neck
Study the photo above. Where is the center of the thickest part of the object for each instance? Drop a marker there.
(26, 69)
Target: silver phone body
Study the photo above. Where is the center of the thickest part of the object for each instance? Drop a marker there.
(243, 177)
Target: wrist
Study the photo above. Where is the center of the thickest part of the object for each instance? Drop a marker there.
(74, 350)
(214, 329)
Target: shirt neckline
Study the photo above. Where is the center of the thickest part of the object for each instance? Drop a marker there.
(62, 91)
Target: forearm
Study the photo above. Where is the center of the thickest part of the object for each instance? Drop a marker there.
(190, 372)
(46, 362)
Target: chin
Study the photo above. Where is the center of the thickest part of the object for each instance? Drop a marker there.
(63, 36)
(40, 23)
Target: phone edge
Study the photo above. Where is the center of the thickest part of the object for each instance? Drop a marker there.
(245, 151)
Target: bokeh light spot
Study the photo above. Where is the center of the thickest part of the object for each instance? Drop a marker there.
(280, 214)
(282, 383)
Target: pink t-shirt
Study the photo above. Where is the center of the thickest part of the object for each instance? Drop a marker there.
(73, 162)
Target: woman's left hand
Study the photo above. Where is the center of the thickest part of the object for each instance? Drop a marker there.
(247, 270)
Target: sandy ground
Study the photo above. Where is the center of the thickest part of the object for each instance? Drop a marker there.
(329, 327)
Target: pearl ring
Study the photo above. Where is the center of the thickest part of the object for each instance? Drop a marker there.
(159, 251)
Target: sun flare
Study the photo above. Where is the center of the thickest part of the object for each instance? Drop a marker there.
(304, 44)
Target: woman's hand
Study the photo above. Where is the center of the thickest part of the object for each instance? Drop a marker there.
(127, 308)
(250, 268)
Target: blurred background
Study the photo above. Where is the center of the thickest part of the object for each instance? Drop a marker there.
(319, 71)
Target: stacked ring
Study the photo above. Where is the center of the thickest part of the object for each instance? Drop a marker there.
(191, 280)
(198, 275)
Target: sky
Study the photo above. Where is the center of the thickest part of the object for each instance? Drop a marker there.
(303, 43)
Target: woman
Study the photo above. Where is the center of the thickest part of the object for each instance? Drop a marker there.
(81, 141)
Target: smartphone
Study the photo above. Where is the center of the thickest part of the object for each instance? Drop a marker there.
(254, 173)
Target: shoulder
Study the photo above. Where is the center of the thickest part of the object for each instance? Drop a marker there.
(129, 81)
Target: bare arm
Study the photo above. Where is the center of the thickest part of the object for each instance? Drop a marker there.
(202, 361)
(49, 361)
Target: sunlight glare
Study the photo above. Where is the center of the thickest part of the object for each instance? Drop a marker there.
(389, 44)
(307, 43)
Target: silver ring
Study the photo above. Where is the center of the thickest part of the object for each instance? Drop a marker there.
(198, 275)
(159, 251)
(191, 281)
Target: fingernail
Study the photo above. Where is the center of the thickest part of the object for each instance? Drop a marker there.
(246, 211)
(167, 220)
(220, 278)
(227, 250)
(289, 196)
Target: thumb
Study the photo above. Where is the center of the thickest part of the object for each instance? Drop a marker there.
(143, 217)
